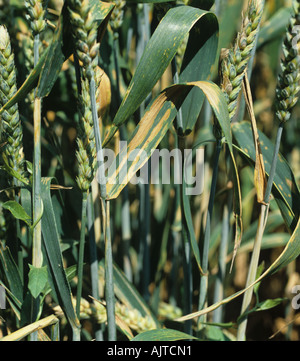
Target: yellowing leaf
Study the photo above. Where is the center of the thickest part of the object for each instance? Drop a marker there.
(260, 181)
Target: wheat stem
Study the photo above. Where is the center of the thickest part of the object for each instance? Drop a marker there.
(207, 232)
(37, 202)
(186, 245)
(81, 252)
(109, 281)
(36, 11)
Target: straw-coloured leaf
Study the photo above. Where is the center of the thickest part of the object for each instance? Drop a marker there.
(260, 180)
(153, 126)
(27, 330)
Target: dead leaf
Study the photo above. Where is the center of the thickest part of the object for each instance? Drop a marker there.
(260, 180)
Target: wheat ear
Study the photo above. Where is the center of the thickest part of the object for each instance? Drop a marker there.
(86, 154)
(84, 31)
(235, 60)
(36, 12)
(12, 132)
(288, 81)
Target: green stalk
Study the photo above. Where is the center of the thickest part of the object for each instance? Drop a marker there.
(252, 271)
(36, 11)
(219, 285)
(125, 212)
(93, 258)
(186, 245)
(186, 242)
(81, 252)
(109, 282)
(100, 158)
(207, 232)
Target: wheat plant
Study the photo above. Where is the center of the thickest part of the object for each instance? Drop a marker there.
(139, 200)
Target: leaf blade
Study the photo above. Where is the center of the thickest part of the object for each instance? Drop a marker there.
(158, 54)
(163, 335)
(51, 242)
(38, 278)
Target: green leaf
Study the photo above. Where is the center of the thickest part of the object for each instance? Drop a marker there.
(262, 306)
(17, 211)
(258, 273)
(13, 301)
(38, 278)
(53, 62)
(198, 63)
(51, 243)
(12, 274)
(268, 304)
(158, 54)
(214, 333)
(188, 219)
(148, 1)
(285, 188)
(202, 4)
(163, 335)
